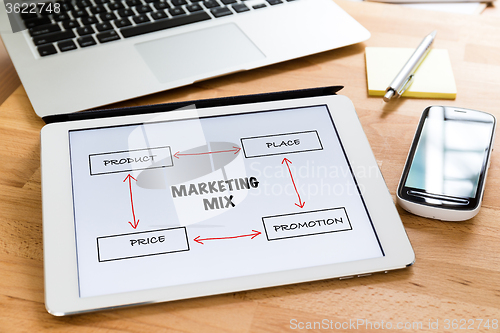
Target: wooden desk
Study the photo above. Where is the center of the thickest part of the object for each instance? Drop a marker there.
(457, 272)
(9, 80)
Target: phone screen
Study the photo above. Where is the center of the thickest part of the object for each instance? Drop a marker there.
(449, 155)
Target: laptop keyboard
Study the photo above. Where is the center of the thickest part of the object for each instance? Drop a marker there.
(68, 25)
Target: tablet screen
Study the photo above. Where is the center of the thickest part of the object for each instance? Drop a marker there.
(185, 201)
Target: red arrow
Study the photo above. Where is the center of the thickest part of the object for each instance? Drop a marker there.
(255, 234)
(286, 160)
(129, 178)
(235, 150)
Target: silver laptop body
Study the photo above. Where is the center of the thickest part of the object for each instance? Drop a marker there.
(138, 63)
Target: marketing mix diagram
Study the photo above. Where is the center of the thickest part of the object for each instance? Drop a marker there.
(185, 201)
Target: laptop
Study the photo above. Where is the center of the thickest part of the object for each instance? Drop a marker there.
(75, 55)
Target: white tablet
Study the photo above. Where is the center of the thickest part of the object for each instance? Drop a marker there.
(166, 206)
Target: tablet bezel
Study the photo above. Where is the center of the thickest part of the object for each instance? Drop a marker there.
(60, 258)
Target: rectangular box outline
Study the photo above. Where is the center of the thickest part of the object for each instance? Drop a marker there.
(301, 213)
(125, 151)
(292, 152)
(142, 255)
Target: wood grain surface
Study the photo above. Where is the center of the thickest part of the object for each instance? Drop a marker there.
(9, 80)
(457, 271)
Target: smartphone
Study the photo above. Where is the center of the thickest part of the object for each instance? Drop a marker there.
(446, 167)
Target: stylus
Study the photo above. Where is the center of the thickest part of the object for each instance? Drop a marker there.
(405, 77)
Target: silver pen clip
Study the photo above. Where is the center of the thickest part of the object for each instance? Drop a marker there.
(405, 85)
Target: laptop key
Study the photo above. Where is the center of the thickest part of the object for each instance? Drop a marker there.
(125, 12)
(79, 13)
(44, 29)
(27, 16)
(240, 8)
(161, 5)
(228, 2)
(211, 3)
(178, 3)
(68, 25)
(259, 6)
(61, 17)
(66, 7)
(123, 22)
(194, 7)
(88, 20)
(221, 11)
(66, 45)
(133, 3)
(46, 50)
(86, 41)
(176, 11)
(98, 9)
(107, 36)
(143, 9)
(37, 21)
(107, 17)
(141, 19)
(274, 2)
(164, 24)
(159, 15)
(86, 30)
(83, 3)
(104, 26)
(115, 6)
(53, 37)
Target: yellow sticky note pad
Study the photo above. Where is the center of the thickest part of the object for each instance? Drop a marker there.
(433, 79)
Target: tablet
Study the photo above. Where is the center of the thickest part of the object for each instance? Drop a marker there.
(173, 205)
